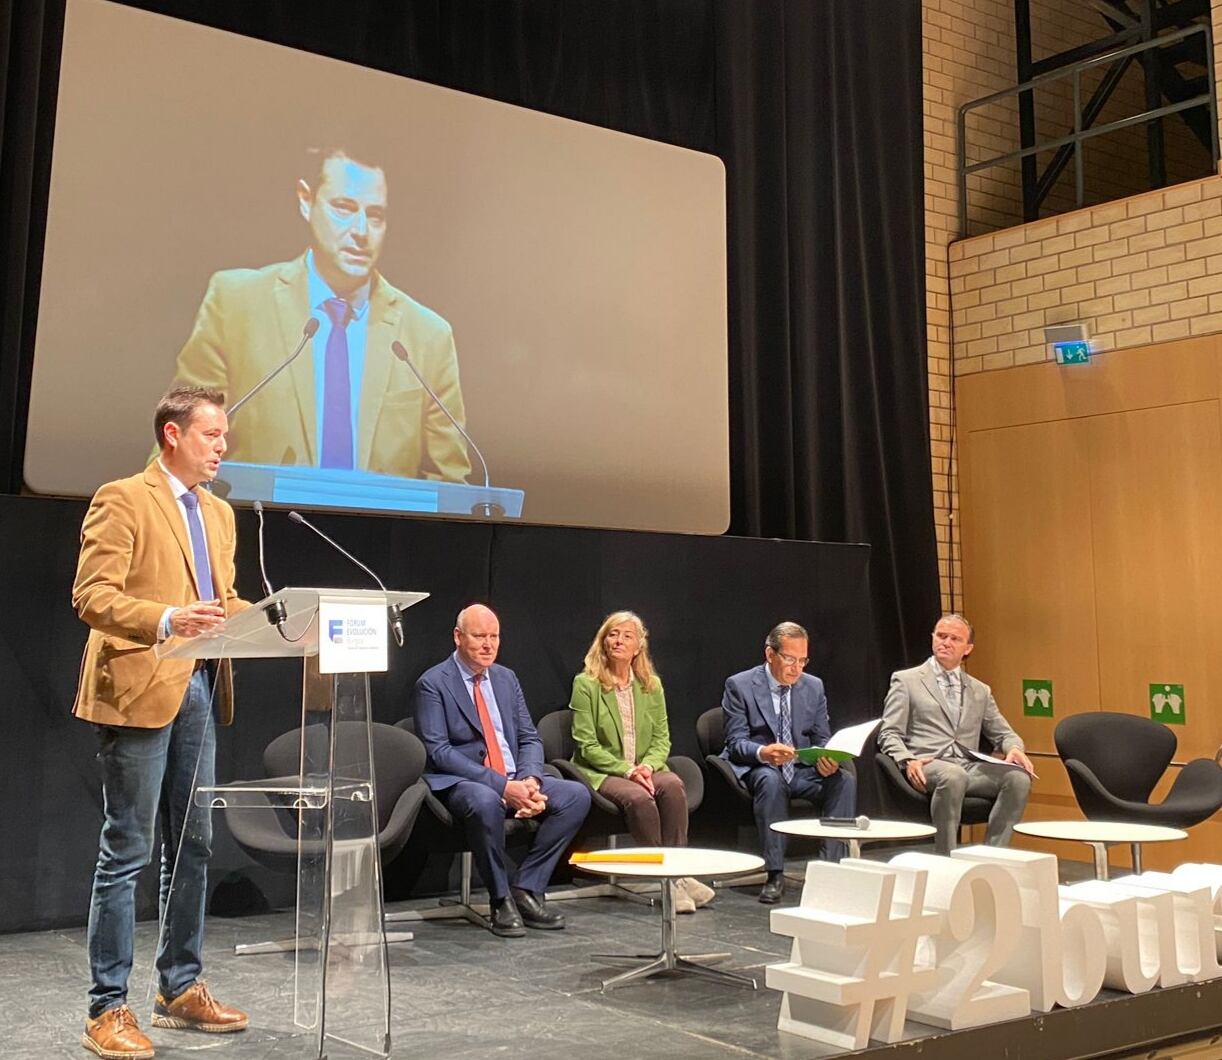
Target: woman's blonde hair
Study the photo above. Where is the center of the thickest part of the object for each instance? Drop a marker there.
(598, 666)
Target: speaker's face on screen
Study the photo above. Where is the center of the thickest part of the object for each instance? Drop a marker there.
(347, 218)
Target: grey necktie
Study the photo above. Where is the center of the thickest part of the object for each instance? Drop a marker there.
(786, 733)
(954, 697)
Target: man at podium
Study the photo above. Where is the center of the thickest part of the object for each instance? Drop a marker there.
(156, 561)
(486, 764)
(347, 401)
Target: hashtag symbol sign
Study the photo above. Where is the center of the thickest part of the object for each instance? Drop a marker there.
(853, 964)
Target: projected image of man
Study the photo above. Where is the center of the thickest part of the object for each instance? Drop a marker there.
(347, 402)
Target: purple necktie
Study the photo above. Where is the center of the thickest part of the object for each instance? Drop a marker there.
(337, 389)
(199, 549)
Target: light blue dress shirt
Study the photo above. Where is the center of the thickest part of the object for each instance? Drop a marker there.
(498, 723)
(178, 489)
(358, 334)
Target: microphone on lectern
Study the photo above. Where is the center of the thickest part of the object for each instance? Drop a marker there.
(277, 613)
(487, 508)
(394, 612)
(307, 333)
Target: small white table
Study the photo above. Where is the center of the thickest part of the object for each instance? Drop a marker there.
(677, 862)
(875, 832)
(1099, 835)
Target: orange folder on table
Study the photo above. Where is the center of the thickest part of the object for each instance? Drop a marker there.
(617, 859)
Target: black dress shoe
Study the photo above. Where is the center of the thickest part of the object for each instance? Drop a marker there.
(535, 913)
(774, 889)
(506, 921)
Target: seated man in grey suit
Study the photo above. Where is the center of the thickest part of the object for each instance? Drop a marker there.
(934, 714)
(486, 764)
(771, 711)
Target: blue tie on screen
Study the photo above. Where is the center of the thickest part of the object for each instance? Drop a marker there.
(337, 390)
(786, 732)
(199, 550)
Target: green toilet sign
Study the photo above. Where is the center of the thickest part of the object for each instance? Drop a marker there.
(1167, 704)
(1037, 698)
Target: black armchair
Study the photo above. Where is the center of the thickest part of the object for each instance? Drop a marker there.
(711, 739)
(908, 804)
(268, 834)
(462, 908)
(1114, 761)
(556, 732)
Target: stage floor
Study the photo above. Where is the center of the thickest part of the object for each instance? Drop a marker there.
(460, 993)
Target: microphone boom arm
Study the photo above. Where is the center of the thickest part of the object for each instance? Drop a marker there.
(307, 333)
(401, 352)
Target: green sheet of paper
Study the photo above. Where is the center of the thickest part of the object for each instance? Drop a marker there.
(809, 754)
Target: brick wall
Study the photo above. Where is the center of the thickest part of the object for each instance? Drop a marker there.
(1137, 271)
(1128, 266)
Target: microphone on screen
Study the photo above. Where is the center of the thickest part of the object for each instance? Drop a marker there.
(277, 613)
(307, 333)
(862, 823)
(487, 508)
(394, 613)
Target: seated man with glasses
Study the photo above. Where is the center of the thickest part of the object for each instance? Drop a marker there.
(770, 712)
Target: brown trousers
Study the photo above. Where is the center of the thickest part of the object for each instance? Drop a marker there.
(659, 821)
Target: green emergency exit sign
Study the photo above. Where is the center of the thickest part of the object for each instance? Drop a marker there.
(1167, 704)
(1037, 698)
(1076, 352)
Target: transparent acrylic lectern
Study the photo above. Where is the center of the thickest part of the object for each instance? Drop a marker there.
(326, 813)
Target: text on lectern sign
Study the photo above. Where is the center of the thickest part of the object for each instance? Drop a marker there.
(351, 637)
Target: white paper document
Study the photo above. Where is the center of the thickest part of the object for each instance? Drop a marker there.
(996, 761)
(852, 738)
(842, 745)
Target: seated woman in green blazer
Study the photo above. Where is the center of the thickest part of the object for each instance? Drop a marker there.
(623, 740)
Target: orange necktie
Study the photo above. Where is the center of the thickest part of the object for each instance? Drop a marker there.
(495, 759)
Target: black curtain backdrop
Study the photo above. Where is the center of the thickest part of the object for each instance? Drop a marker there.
(815, 108)
(707, 601)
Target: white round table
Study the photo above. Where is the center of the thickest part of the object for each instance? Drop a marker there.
(676, 863)
(1099, 835)
(875, 832)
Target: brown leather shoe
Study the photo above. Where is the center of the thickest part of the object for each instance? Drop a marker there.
(195, 1009)
(115, 1035)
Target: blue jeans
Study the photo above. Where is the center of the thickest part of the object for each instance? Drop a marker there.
(147, 777)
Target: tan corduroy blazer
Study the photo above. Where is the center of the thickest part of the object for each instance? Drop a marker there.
(135, 561)
(250, 320)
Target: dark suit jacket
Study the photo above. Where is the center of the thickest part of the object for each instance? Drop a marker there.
(751, 721)
(448, 724)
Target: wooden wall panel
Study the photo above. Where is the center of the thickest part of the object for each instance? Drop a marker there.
(1156, 503)
(1091, 519)
(1027, 557)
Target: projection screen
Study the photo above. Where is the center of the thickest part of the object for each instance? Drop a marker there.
(560, 287)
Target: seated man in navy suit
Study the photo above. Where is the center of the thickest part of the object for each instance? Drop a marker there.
(486, 764)
(770, 712)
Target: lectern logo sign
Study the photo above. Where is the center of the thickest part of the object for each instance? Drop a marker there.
(1037, 698)
(351, 637)
(1167, 704)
